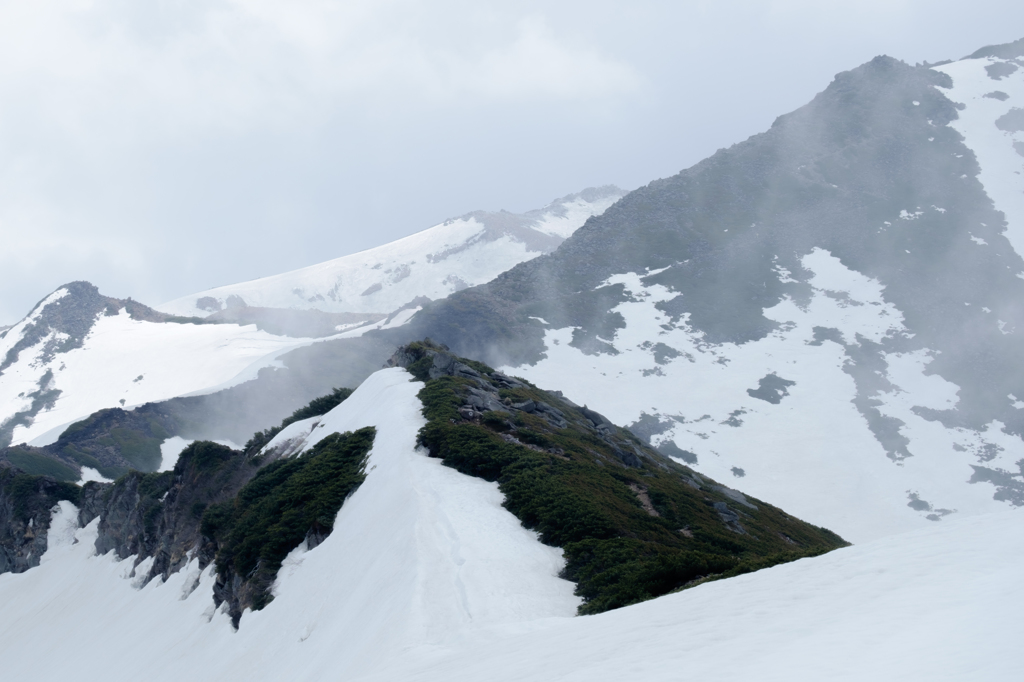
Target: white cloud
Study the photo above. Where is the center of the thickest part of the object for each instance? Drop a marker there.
(85, 66)
(161, 147)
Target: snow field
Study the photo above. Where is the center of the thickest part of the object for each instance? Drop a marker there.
(813, 453)
(126, 362)
(1001, 165)
(433, 263)
(427, 578)
(939, 603)
(420, 555)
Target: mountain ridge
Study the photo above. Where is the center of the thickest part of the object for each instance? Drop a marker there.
(432, 263)
(860, 223)
(824, 315)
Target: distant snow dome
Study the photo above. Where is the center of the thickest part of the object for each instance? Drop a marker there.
(459, 253)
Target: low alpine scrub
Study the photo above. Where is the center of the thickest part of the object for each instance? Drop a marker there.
(633, 523)
(287, 501)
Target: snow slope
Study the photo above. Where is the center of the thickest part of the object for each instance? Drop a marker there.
(459, 253)
(427, 578)
(821, 416)
(940, 603)
(420, 554)
(127, 362)
(810, 451)
(993, 132)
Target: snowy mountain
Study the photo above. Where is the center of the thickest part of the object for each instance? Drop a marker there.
(826, 313)
(824, 316)
(456, 254)
(428, 576)
(78, 352)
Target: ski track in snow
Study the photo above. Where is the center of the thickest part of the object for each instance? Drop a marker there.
(811, 454)
(420, 555)
(433, 263)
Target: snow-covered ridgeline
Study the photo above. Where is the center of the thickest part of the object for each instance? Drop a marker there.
(126, 362)
(445, 258)
(420, 555)
(990, 90)
(804, 445)
(14, 333)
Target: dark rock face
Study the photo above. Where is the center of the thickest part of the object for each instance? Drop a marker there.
(826, 175)
(1012, 121)
(26, 504)
(1006, 51)
(152, 516)
(160, 515)
(208, 303)
(771, 389)
(1000, 70)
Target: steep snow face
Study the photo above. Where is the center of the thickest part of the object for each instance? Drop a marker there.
(121, 362)
(991, 92)
(420, 555)
(782, 416)
(459, 253)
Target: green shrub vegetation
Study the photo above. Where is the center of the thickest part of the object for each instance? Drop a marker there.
(571, 485)
(316, 407)
(28, 494)
(286, 500)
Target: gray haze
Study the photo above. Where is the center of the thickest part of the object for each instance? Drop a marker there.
(162, 149)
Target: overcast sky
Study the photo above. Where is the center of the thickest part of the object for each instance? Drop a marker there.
(164, 147)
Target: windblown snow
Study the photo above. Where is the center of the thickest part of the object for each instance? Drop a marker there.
(457, 254)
